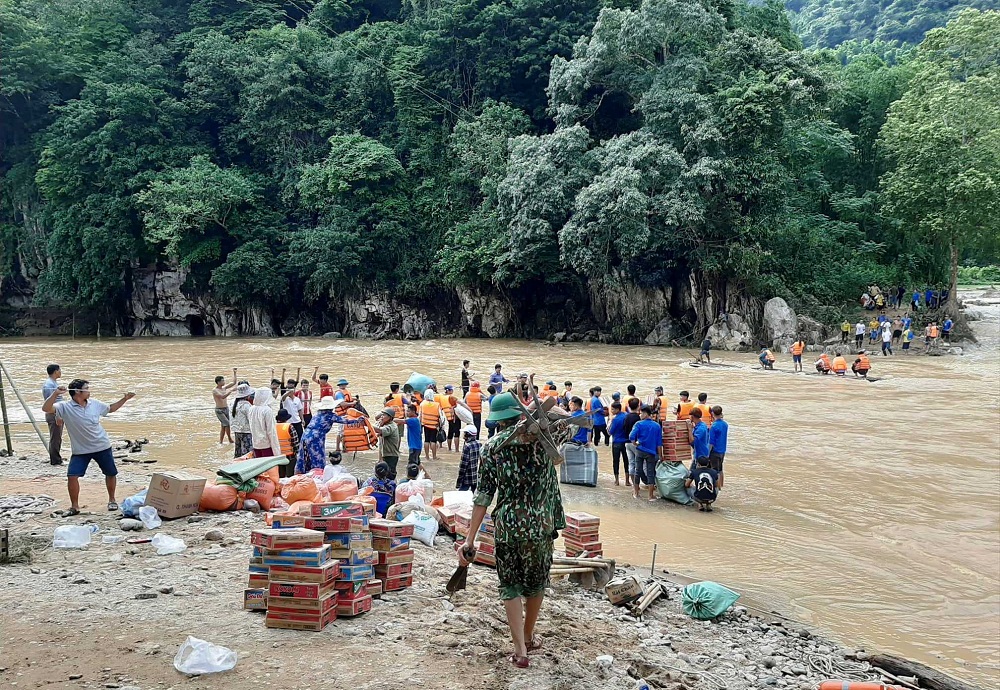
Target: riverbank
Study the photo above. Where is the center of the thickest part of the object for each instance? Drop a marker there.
(119, 612)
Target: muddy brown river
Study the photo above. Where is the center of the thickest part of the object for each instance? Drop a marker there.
(869, 510)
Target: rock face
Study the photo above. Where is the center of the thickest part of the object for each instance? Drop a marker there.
(780, 323)
(485, 313)
(663, 333)
(812, 331)
(379, 316)
(733, 334)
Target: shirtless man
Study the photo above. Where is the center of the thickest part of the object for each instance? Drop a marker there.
(220, 393)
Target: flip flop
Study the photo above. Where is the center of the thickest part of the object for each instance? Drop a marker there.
(519, 661)
(534, 644)
(112, 507)
(69, 512)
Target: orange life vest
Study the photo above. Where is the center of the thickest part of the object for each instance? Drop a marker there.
(628, 398)
(586, 405)
(797, 347)
(347, 394)
(825, 358)
(769, 355)
(416, 398)
(839, 364)
(285, 438)
(395, 401)
(706, 414)
(358, 438)
(664, 408)
(684, 410)
(447, 404)
(934, 331)
(475, 400)
(864, 362)
(430, 414)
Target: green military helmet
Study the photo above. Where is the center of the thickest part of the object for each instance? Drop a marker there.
(503, 407)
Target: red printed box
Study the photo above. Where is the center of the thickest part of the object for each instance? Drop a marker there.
(384, 571)
(328, 572)
(577, 546)
(359, 557)
(335, 509)
(349, 587)
(584, 538)
(299, 590)
(374, 588)
(286, 621)
(305, 607)
(349, 540)
(405, 556)
(255, 599)
(394, 584)
(355, 606)
(390, 528)
(258, 580)
(391, 543)
(282, 539)
(580, 520)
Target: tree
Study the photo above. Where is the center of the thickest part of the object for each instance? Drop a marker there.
(944, 137)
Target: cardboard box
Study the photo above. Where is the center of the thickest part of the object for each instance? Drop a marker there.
(580, 520)
(390, 528)
(405, 556)
(285, 521)
(355, 607)
(336, 509)
(385, 571)
(258, 581)
(359, 557)
(174, 494)
(350, 589)
(585, 538)
(285, 539)
(288, 621)
(485, 539)
(354, 573)
(328, 572)
(349, 540)
(394, 584)
(447, 518)
(261, 569)
(374, 589)
(309, 557)
(255, 599)
(298, 590)
(485, 559)
(576, 546)
(313, 607)
(388, 544)
(354, 595)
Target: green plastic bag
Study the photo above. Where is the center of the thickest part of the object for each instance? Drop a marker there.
(707, 600)
(670, 478)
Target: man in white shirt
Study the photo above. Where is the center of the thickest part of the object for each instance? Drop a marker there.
(859, 333)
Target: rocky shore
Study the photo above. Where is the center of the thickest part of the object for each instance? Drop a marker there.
(118, 613)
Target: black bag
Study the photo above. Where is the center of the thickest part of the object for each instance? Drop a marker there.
(442, 437)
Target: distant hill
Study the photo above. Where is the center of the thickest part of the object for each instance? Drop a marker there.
(828, 23)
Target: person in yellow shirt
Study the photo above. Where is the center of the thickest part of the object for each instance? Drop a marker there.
(845, 331)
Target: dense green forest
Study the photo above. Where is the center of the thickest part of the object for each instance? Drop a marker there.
(286, 154)
(828, 23)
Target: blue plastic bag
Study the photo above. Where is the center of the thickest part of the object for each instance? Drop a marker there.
(419, 382)
(707, 600)
(130, 506)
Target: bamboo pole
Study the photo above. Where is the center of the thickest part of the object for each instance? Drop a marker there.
(6, 422)
(27, 410)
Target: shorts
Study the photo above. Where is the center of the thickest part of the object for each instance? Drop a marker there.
(797, 359)
(523, 568)
(646, 462)
(78, 463)
(897, 334)
(906, 346)
(455, 428)
(715, 461)
(703, 353)
(430, 435)
(222, 414)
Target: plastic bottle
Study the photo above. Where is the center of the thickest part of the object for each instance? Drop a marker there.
(641, 684)
(94, 529)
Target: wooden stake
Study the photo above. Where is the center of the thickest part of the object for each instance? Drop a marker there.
(27, 410)
(6, 422)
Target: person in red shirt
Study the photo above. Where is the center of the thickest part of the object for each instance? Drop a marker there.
(306, 396)
(325, 389)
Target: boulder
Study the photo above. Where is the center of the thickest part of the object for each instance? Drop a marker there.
(780, 323)
(663, 332)
(487, 313)
(335, 335)
(559, 337)
(732, 333)
(814, 332)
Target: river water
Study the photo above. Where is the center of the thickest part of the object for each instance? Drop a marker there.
(870, 510)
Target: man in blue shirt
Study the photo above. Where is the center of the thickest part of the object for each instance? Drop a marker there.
(618, 440)
(89, 440)
(497, 379)
(946, 328)
(698, 434)
(582, 436)
(647, 435)
(718, 438)
(600, 414)
(916, 300)
(928, 295)
(907, 321)
(414, 435)
(55, 426)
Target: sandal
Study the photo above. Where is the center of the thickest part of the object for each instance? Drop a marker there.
(69, 512)
(534, 644)
(112, 507)
(519, 661)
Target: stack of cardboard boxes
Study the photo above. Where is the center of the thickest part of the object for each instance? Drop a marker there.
(391, 541)
(301, 578)
(582, 535)
(676, 447)
(485, 544)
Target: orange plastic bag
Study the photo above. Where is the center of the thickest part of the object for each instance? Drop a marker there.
(263, 493)
(300, 508)
(300, 488)
(218, 497)
(271, 474)
(343, 489)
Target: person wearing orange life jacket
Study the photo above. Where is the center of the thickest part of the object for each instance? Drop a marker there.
(661, 405)
(474, 400)
(361, 437)
(431, 419)
(798, 347)
(862, 365)
(448, 403)
(823, 365)
(766, 358)
(839, 365)
(630, 394)
(338, 429)
(685, 406)
(706, 409)
(288, 442)
(397, 401)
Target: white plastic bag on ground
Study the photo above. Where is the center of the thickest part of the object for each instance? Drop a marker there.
(424, 527)
(71, 537)
(196, 657)
(166, 545)
(150, 518)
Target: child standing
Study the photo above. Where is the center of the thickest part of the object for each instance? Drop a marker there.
(414, 435)
(706, 483)
(582, 436)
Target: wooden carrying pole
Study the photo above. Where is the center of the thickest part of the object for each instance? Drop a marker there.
(27, 410)
(6, 422)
